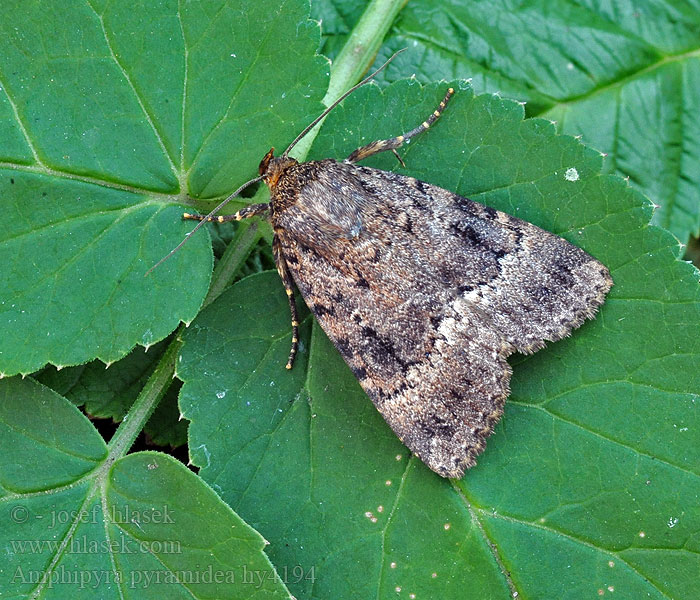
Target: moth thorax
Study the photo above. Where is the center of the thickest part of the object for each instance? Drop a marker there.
(271, 167)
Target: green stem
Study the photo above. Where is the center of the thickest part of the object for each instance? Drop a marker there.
(145, 404)
(356, 57)
(236, 253)
(362, 46)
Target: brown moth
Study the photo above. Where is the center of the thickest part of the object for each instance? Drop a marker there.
(424, 293)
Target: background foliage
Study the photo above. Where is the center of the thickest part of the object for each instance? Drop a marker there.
(115, 118)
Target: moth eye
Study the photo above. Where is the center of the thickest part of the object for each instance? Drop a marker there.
(264, 163)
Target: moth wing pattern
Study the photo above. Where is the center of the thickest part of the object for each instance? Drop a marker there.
(425, 294)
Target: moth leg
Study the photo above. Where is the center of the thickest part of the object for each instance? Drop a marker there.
(249, 211)
(395, 142)
(283, 270)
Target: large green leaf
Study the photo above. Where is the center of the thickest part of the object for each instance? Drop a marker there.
(625, 75)
(81, 522)
(123, 112)
(590, 484)
(113, 116)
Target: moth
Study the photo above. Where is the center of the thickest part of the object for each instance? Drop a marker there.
(424, 293)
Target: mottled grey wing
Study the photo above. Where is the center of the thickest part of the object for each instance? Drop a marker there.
(426, 293)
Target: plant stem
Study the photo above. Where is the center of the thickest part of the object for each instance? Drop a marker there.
(355, 58)
(243, 242)
(145, 404)
(362, 46)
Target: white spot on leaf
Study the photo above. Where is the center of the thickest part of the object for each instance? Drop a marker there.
(571, 174)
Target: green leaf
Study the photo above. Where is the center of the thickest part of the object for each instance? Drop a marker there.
(82, 519)
(113, 119)
(110, 392)
(122, 113)
(624, 75)
(591, 480)
(104, 392)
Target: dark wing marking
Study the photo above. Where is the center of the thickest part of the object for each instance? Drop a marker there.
(426, 293)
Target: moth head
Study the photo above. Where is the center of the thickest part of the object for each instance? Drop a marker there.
(271, 167)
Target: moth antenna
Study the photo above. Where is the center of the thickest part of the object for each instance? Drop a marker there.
(322, 116)
(202, 222)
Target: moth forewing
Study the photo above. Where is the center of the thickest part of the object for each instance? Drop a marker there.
(423, 292)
